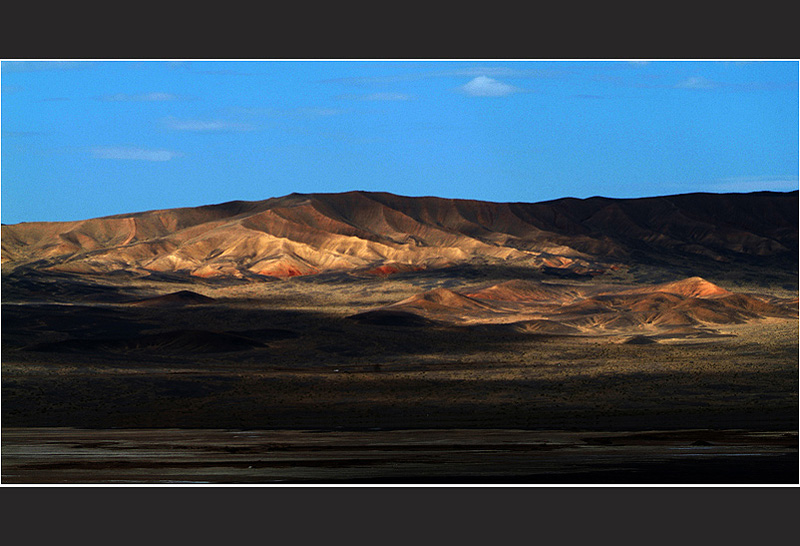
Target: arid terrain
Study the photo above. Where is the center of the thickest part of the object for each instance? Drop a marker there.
(370, 337)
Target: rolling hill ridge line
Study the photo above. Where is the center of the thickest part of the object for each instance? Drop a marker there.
(689, 308)
(381, 233)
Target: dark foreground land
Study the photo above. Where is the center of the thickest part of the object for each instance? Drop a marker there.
(274, 381)
(59, 455)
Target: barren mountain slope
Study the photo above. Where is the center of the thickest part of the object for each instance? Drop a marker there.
(380, 233)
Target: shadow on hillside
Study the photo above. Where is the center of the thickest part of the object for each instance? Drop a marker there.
(274, 337)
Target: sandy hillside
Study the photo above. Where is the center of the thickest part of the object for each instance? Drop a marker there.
(381, 233)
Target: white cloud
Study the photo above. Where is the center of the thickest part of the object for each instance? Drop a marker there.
(750, 184)
(288, 113)
(187, 66)
(178, 65)
(134, 154)
(506, 72)
(469, 72)
(37, 66)
(313, 112)
(205, 125)
(483, 86)
(386, 97)
(697, 82)
(23, 133)
(144, 97)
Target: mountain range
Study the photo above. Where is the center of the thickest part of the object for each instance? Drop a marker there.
(382, 233)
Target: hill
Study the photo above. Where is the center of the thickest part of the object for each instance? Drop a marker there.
(306, 234)
(689, 307)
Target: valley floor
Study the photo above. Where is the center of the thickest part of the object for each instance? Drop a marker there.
(316, 396)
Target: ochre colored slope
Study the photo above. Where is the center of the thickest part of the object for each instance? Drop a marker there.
(529, 291)
(359, 231)
(442, 299)
(685, 307)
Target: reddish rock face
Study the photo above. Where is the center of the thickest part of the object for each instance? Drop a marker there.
(384, 270)
(390, 269)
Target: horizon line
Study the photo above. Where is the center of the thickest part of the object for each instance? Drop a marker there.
(137, 213)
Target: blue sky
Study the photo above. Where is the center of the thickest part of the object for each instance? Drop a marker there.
(88, 139)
